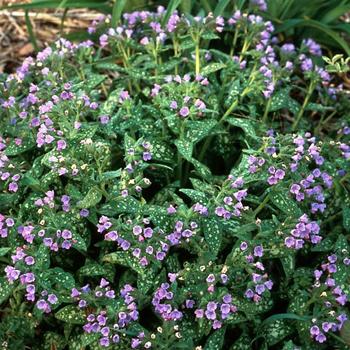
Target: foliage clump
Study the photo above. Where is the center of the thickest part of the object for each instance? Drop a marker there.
(175, 182)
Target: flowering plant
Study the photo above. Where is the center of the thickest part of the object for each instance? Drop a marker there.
(175, 182)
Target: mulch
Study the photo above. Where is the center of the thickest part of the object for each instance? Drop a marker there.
(15, 43)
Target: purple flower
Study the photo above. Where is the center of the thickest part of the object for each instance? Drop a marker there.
(104, 119)
(42, 304)
(52, 299)
(13, 187)
(11, 273)
(321, 338)
(173, 105)
(258, 251)
(199, 313)
(314, 330)
(84, 213)
(210, 278)
(146, 156)
(184, 111)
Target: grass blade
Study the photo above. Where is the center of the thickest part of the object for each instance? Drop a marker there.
(316, 25)
(186, 6)
(117, 11)
(220, 7)
(30, 31)
(53, 4)
(334, 14)
(286, 316)
(173, 5)
(206, 6)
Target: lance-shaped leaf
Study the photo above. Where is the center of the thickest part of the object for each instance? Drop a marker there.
(92, 198)
(212, 234)
(5, 289)
(71, 314)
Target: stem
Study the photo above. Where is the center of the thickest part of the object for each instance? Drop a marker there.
(179, 157)
(176, 53)
(234, 42)
(267, 108)
(306, 101)
(228, 112)
(128, 66)
(155, 56)
(324, 121)
(337, 338)
(198, 62)
(185, 176)
(261, 206)
(179, 169)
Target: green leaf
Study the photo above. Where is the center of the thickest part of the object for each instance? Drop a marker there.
(109, 175)
(317, 25)
(121, 205)
(288, 264)
(216, 340)
(92, 198)
(194, 195)
(341, 244)
(30, 181)
(286, 316)
(318, 107)
(54, 341)
(172, 6)
(30, 31)
(346, 217)
(43, 4)
(286, 204)
(71, 314)
(125, 259)
(7, 200)
(211, 68)
(326, 245)
(220, 7)
(276, 331)
(83, 340)
(185, 149)
(148, 280)
(289, 346)
(212, 234)
(209, 35)
(112, 101)
(117, 11)
(79, 242)
(5, 289)
(248, 126)
(345, 332)
(161, 151)
(61, 278)
(42, 258)
(93, 80)
(4, 250)
(197, 130)
(27, 144)
(92, 269)
(281, 99)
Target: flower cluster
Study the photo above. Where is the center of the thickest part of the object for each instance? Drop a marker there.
(330, 294)
(215, 312)
(233, 194)
(144, 243)
(162, 303)
(304, 231)
(108, 324)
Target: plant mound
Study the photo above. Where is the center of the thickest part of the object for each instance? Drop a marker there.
(175, 183)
